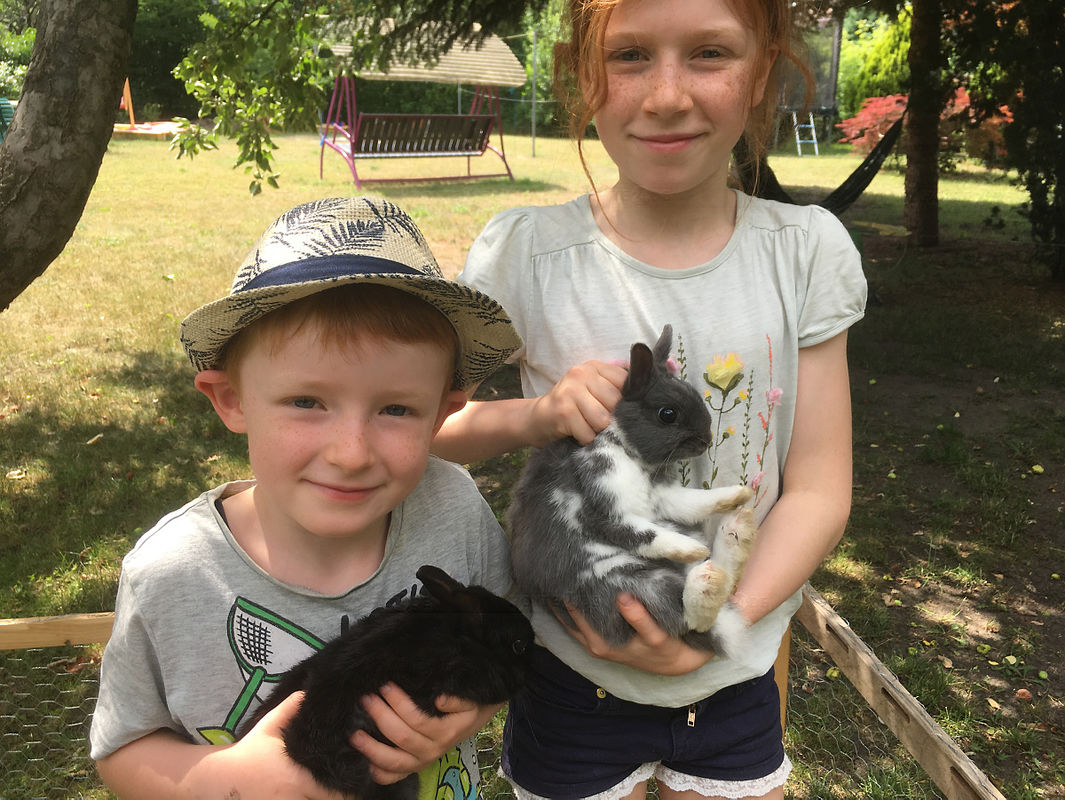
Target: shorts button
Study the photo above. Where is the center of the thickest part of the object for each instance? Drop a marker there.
(600, 693)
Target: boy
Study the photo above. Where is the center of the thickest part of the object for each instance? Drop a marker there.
(339, 352)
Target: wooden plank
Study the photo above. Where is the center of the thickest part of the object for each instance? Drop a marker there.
(951, 770)
(780, 675)
(412, 135)
(19, 634)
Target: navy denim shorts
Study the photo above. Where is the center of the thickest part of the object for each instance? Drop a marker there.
(565, 738)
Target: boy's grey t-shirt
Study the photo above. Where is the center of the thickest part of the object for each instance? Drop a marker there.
(202, 633)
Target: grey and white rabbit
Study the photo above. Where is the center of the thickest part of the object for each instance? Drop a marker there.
(587, 523)
(457, 640)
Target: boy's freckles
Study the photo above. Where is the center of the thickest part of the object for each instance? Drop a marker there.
(338, 435)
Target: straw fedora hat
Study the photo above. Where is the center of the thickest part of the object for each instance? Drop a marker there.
(344, 240)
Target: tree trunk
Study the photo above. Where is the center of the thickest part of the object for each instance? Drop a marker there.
(51, 155)
(921, 210)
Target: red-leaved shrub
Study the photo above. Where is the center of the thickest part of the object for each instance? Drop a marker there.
(868, 126)
(960, 128)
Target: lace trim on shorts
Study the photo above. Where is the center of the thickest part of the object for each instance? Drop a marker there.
(709, 787)
(622, 789)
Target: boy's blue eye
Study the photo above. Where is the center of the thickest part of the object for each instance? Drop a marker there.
(627, 55)
(304, 402)
(710, 52)
(396, 411)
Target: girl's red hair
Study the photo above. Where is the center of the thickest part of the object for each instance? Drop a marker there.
(580, 66)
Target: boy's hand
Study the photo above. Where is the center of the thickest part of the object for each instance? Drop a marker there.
(268, 771)
(650, 649)
(579, 405)
(420, 739)
(164, 764)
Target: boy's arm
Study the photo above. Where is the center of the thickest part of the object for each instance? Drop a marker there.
(163, 766)
(419, 739)
(579, 405)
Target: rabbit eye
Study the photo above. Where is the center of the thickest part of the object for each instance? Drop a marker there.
(668, 415)
(519, 647)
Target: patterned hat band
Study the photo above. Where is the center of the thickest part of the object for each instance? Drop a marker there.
(326, 268)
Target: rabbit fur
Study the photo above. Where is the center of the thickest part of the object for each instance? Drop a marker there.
(587, 523)
(456, 640)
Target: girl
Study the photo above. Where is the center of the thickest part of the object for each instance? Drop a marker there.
(760, 296)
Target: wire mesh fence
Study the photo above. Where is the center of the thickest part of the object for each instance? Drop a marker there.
(46, 699)
(839, 747)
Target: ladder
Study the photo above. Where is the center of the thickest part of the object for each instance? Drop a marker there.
(804, 129)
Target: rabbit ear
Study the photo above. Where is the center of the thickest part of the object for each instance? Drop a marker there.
(641, 368)
(663, 345)
(446, 589)
(439, 584)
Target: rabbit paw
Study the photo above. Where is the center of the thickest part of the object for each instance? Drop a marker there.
(734, 539)
(690, 506)
(705, 591)
(731, 633)
(732, 497)
(674, 546)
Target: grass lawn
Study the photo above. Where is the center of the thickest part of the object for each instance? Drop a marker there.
(951, 565)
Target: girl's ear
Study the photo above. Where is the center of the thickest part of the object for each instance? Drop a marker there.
(453, 401)
(225, 398)
(762, 76)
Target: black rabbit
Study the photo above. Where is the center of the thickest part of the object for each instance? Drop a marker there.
(457, 640)
(587, 523)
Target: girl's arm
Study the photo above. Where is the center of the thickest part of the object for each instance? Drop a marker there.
(163, 766)
(808, 519)
(579, 405)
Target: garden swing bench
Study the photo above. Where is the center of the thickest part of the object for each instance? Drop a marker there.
(356, 134)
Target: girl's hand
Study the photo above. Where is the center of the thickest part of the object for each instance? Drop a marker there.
(579, 405)
(650, 649)
(420, 739)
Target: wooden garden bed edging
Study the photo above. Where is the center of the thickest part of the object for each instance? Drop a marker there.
(27, 632)
(950, 769)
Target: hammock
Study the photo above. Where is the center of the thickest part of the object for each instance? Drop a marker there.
(762, 182)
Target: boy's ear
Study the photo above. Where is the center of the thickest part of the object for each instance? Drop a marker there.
(453, 401)
(218, 388)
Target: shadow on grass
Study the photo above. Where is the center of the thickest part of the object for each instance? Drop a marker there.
(459, 189)
(943, 312)
(958, 219)
(111, 480)
(495, 477)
